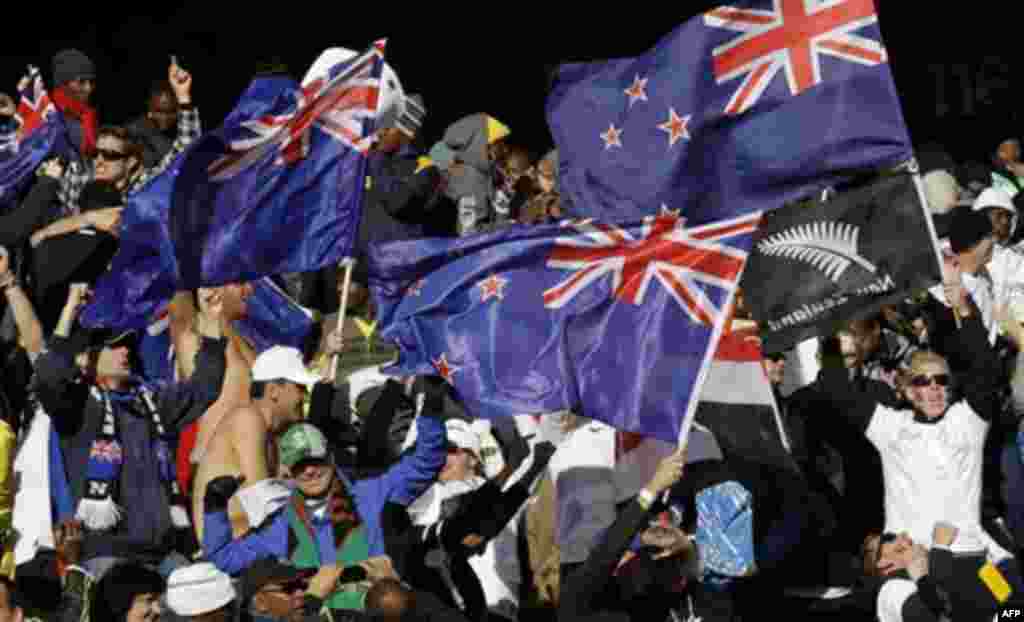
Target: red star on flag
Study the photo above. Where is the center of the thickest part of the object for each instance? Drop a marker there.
(492, 287)
(612, 138)
(445, 369)
(675, 127)
(638, 91)
(416, 288)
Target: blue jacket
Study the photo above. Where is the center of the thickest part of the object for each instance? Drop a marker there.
(402, 484)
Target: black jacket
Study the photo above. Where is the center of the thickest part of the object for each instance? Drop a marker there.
(77, 416)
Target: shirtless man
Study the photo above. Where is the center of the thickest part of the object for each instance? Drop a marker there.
(242, 443)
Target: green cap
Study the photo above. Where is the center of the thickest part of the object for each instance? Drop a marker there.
(302, 441)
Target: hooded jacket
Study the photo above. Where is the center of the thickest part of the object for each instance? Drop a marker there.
(471, 185)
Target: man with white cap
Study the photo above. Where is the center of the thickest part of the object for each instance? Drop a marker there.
(200, 593)
(242, 444)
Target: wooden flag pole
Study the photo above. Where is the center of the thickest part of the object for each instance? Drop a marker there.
(347, 263)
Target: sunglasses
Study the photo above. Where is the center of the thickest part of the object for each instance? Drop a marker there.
(922, 380)
(110, 156)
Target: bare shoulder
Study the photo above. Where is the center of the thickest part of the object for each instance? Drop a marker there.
(247, 420)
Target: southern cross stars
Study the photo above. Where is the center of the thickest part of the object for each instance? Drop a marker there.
(675, 127)
(612, 138)
(492, 287)
(638, 91)
(445, 369)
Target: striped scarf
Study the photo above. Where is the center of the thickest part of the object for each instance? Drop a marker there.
(98, 509)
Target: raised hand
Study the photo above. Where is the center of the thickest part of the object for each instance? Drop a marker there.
(669, 472)
(181, 83)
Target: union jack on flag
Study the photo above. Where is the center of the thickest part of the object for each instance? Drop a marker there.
(666, 253)
(790, 37)
(615, 319)
(34, 105)
(341, 102)
(742, 108)
(106, 451)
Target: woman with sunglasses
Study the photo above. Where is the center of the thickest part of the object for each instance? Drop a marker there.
(932, 452)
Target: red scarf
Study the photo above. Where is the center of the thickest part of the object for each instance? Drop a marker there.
(81, 112)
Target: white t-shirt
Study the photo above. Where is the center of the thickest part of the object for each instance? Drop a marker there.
(932, 473)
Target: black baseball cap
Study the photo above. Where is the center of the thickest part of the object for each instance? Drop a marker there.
(270, 570)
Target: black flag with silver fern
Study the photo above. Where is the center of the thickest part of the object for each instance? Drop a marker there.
(817, 265)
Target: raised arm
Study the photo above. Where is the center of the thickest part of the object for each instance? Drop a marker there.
(838, 394)
(30, 331)
(414, 473)
(581, 590)
(57, 369)
(235, 555)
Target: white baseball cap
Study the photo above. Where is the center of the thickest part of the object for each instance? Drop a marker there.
(282, 363)
(463, 436)
(198, 589)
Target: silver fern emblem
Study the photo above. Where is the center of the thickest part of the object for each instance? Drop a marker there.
(831, 247)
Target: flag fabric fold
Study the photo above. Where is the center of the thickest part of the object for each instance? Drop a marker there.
(278, 188)
(286, 161)
(41, 135)
(819, 264)
(742, 108)
(615, 320)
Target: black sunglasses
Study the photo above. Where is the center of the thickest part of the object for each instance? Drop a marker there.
(922, 380)
(110, 156)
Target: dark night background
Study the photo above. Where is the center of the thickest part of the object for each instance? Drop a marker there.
(952, 69)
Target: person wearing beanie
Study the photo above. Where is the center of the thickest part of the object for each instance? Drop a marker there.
(74, 80)
(200, 593)
(79, 175)
(128, 592)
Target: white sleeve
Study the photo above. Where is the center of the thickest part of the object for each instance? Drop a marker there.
(883, 425)
(891, 598)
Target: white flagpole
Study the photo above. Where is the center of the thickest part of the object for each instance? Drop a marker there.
(716, 337)
(915, 173)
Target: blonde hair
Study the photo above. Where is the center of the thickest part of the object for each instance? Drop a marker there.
(918, 360)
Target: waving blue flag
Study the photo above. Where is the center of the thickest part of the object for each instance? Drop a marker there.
(273, 318)
(143, 275)
(743, 108)
(287, 201)
(42, 135)
(619, 321)
(279, 187)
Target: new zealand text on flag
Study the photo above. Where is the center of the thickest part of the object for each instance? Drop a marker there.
(615, 320)
(815, 266)
(279, 187)
(41, 135)
(743, 108)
